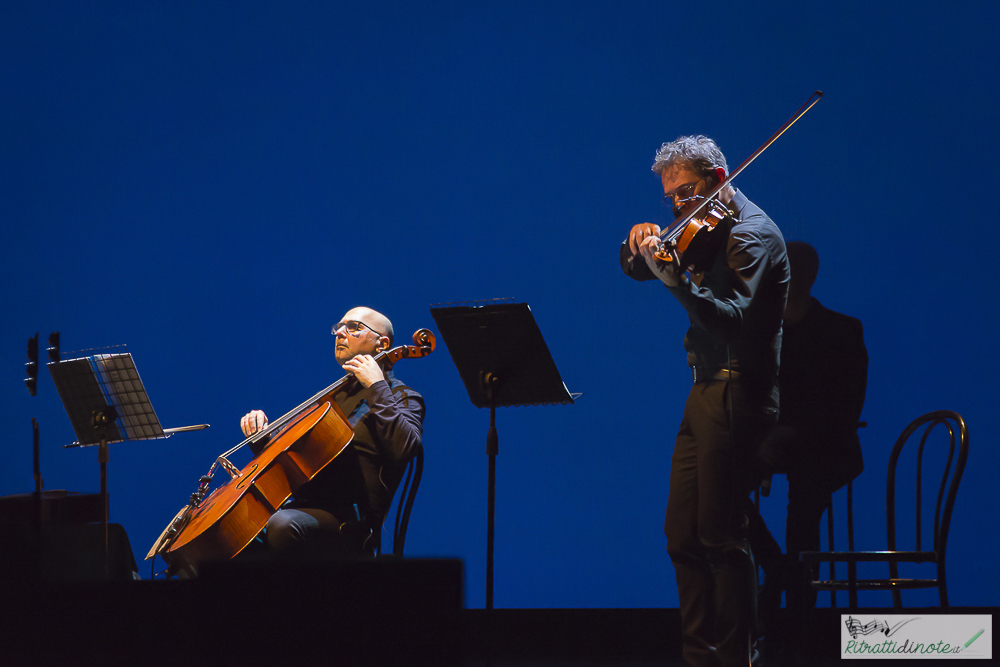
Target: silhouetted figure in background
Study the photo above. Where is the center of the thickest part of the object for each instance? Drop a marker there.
(824, 372)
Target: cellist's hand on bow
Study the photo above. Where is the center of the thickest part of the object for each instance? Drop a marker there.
(665, 271)
(640, 233)
(365, 369)
(253, 422)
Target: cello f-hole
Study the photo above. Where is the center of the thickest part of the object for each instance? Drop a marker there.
(249, 476)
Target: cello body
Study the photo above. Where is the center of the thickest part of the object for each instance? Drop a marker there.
(229, 519)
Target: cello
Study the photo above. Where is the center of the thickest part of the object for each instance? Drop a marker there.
(298, 445)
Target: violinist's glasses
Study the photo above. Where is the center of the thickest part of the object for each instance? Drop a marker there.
(354, 327)
(681, 194)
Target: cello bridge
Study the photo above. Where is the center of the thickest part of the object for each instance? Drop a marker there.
(233, 471)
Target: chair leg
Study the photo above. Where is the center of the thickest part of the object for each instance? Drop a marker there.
(852, 585)
(897, 597)
(942, 586)
(829, 532)
(850, 516)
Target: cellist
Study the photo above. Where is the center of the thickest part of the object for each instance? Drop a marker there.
(734, 303)
(341, 510)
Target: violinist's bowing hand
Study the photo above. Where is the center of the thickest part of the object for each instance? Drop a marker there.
(252, 422)
(640, 233)
(665, 271)
(365, 369)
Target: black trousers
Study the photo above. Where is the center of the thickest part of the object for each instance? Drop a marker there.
(712, 472)
(304, 530)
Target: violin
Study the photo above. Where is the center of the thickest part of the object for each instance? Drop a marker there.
(295, 448)
(692, 242)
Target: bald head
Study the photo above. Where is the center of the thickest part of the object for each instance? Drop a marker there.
(374, 335)
(372, 318)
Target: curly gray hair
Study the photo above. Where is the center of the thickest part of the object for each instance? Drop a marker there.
(697, 151)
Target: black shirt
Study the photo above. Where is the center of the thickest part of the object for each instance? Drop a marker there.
(388, 425)
(736, 305)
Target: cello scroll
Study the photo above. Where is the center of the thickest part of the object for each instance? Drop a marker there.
(424, 343)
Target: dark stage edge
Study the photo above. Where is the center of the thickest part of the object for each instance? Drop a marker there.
(642, 637)
(302, 612)
(406, 612)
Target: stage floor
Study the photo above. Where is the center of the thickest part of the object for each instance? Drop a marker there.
(406, 612)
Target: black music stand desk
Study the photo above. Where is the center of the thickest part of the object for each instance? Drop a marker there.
(107, 403)
(503, 361)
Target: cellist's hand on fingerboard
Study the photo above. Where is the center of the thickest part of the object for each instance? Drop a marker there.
(253, 422)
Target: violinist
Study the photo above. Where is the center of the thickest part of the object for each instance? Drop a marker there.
(341, 510)
(734, 301)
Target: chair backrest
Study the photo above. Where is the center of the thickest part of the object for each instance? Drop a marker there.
(407, 494)
(958, 435)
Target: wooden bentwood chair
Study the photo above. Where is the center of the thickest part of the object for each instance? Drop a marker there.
(407, 494)
(958, 435)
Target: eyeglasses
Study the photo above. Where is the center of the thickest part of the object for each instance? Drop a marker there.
(681, 194)
(354, 327)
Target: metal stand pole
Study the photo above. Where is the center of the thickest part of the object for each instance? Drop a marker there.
(102, 456)
(492, 449)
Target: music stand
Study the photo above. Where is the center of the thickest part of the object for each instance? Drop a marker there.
(106, 403)
(503, 361)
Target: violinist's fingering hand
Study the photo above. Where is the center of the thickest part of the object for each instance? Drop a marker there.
(665, 271)
(365, 369)
(640, 233)
(252, 422)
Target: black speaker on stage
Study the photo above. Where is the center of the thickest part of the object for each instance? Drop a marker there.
(66, 553)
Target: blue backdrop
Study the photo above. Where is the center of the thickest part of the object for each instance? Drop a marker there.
(214, 184)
